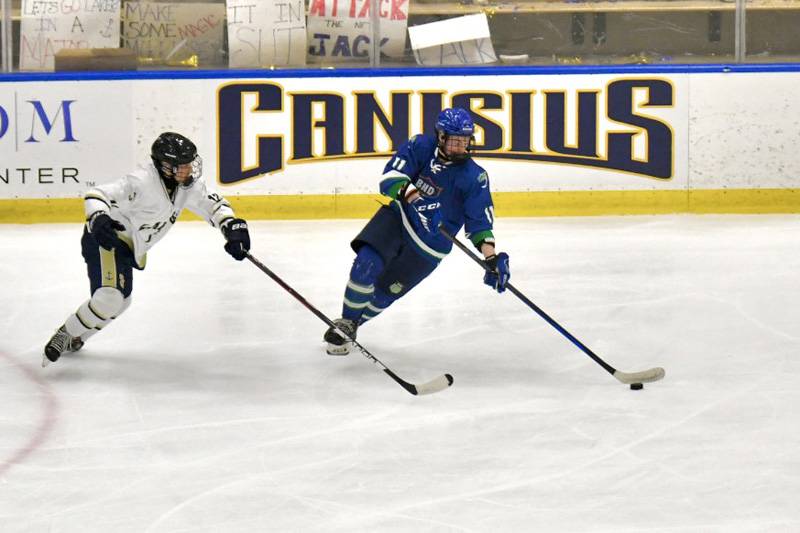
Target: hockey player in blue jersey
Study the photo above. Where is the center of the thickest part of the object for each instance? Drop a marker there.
(431, 181)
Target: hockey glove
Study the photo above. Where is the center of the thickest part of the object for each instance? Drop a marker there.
(500, 271)
(104, 230)
(428, 213)
(237, 237)
(431, 221)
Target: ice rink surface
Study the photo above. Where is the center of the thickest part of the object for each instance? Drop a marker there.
(211, 406)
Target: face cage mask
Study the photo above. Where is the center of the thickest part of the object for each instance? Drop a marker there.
(196, 172)
(455, 158)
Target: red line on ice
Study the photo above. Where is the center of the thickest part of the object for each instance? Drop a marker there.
(48, 419)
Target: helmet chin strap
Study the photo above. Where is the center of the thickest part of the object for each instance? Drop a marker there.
(458, 158)
(452, 158)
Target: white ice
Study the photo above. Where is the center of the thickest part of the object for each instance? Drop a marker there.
(211, 405)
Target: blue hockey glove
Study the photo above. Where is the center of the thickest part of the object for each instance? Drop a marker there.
(237, 237)
(431, 220)
(428, 213)
(500, 271)
(104, 230)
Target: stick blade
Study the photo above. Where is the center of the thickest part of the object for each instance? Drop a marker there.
(435, 385)
(645, 376)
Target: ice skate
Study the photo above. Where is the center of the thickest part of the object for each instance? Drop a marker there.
(75, 344)
(59, 344)
(338, 345)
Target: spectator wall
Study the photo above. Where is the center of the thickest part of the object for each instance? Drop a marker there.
(312, 144)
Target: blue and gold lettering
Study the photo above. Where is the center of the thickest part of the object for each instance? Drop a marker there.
(521, 127)
(556, 123)
(492, 131)
(509, 125)
(432, 105)
(658, 162)
(269, 148)
(368, 109)
(304, 124)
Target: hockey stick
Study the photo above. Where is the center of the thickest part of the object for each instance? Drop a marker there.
(645, 376)
(435, 385)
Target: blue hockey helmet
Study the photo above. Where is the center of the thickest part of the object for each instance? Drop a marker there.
(455, 124)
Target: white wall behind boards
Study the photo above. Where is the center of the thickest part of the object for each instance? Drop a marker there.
(744, 130)
(727, 131)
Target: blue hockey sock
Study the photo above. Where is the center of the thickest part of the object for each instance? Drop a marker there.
(361, 285)
(379, 302)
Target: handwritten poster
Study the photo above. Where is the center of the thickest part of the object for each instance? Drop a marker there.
(164, 33)
(48, 27)
(265, 33)
(456, 41)
(472, 52)
(341, 30)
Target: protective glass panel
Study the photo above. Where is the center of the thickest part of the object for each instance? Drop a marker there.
(276, 34)
(563, 32)
(771, 30)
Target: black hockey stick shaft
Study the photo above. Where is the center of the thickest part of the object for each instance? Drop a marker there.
(435, 385)
(585, 349)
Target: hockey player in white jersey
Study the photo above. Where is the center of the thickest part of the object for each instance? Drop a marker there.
(127, 217)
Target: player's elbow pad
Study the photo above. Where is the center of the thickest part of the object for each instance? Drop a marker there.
(392, 187)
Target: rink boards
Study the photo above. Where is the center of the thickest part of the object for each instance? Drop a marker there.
(311, 144)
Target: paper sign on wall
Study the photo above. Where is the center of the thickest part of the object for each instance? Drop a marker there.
(48, 27)
(266, 33)
(342, 30)
(456, 41)
(162, 32)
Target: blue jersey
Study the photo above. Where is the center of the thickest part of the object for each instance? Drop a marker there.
(458, 191)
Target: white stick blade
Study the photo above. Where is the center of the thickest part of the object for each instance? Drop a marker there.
(645, 376)
(435, 385)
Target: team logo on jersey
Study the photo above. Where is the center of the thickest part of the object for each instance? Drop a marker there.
(154, 229)
(396, 288)
(427, 187)
(436, 167)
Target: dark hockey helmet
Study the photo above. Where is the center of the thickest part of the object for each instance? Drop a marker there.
(172, 150)
(455, 132)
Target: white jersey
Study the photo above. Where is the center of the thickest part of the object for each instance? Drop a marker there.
(140, 202)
